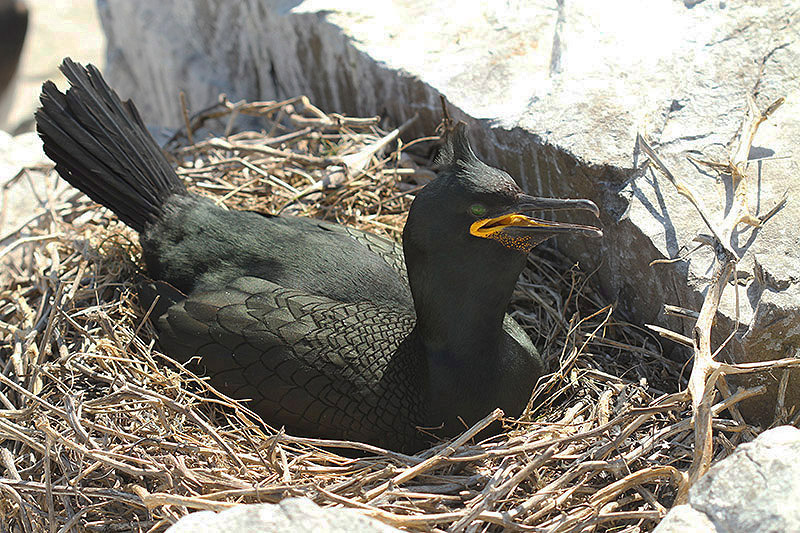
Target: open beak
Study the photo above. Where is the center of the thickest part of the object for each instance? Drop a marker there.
(515, 225)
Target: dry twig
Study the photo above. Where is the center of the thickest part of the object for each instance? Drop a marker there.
(706, 371)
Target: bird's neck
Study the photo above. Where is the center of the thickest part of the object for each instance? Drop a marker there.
(460, 308)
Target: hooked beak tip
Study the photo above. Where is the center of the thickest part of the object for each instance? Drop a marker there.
(535, 203)
(591, 206)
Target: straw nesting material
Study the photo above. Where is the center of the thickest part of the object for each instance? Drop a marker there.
(99, 431)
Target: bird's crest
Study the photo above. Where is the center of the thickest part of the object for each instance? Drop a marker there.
(455, 147)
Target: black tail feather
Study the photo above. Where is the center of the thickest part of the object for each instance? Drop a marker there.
(101, 146)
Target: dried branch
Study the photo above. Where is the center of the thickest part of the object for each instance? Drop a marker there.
(706, 371)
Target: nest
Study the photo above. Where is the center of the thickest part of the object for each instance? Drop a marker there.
(102, 432)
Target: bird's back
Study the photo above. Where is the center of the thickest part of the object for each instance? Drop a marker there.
(311, 321)
(196, 245)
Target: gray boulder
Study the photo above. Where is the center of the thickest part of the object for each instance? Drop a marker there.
(19, 201)
(556, 93)
(756, 489)
(288, 516)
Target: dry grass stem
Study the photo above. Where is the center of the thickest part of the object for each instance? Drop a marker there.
(101, 431)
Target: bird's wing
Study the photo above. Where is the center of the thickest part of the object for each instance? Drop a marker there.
(316, 366)
(390, 251)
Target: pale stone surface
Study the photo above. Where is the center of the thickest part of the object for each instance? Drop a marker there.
(756, 490)
(55, 30)
(290, 515)
(18, 200)
(557, 91)
(17, 152)
(685, 519)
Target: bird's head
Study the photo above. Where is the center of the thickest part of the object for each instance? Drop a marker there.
(473, 207)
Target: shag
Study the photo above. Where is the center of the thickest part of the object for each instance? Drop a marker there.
(330, 331)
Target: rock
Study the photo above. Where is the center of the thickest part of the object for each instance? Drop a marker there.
(75, 27)
(291, 514)
(21, 194)
(756, 490)
(685, 519)
(18, 203)
(556, 94)
(17, 152)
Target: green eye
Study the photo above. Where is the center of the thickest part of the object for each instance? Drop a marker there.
(478, 210)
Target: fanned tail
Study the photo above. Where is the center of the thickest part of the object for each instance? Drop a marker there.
(101, 146)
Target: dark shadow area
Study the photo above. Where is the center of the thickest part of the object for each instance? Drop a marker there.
(660, 213)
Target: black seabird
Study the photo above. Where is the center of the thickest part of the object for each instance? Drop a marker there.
(331, 331)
